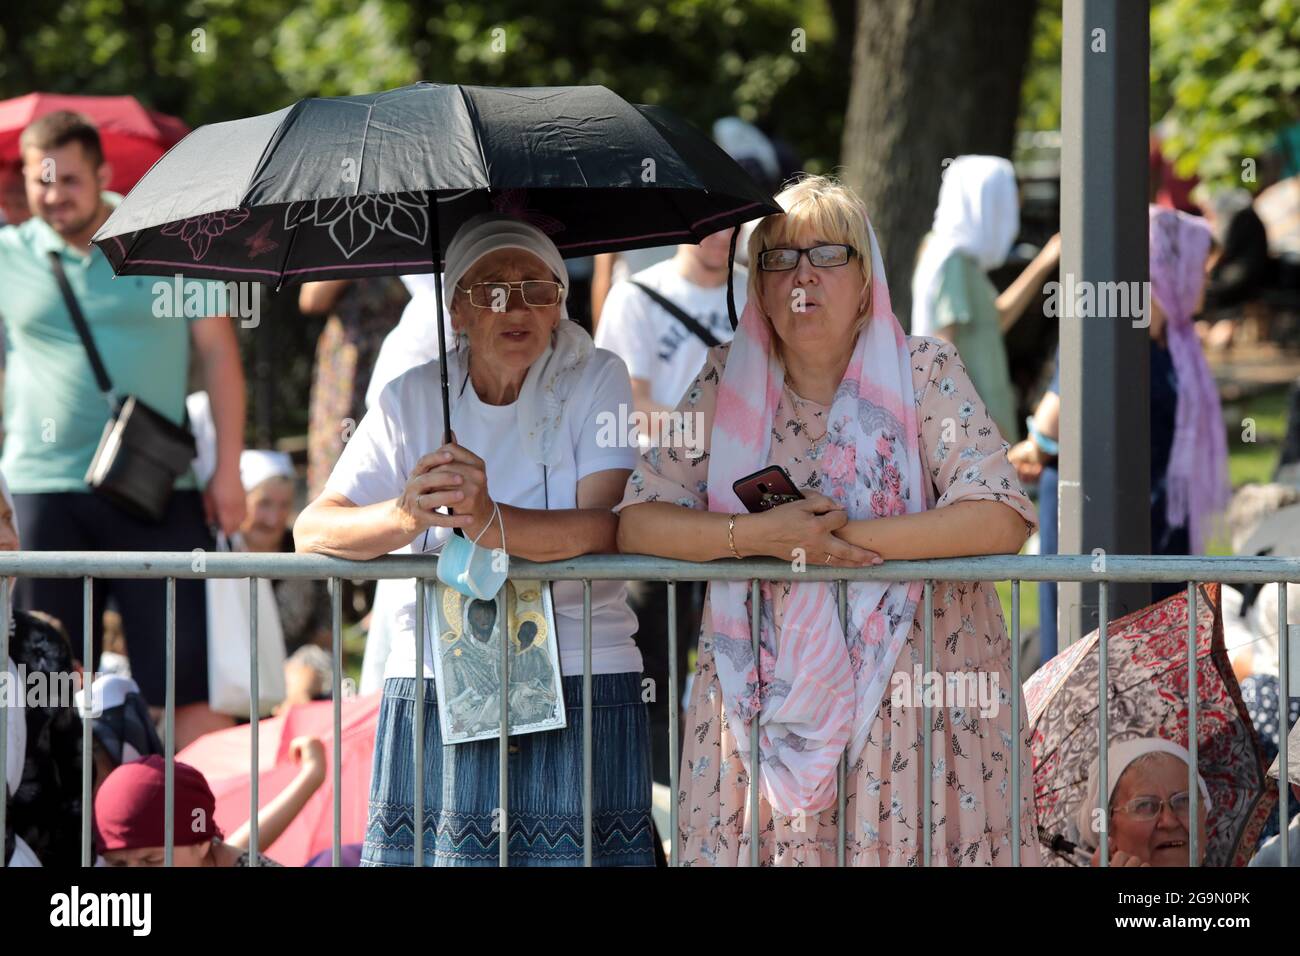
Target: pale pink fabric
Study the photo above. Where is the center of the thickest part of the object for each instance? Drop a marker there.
(963, 459)
(819, 688)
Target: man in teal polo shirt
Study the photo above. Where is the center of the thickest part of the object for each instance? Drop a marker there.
(54, 413)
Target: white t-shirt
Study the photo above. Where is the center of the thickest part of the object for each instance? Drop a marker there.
(407, 423)
(654, 344)
(414, 340)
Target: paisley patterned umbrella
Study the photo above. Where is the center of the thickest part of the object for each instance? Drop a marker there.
(1147, 697)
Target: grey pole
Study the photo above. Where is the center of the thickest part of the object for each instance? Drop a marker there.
(1105, 428)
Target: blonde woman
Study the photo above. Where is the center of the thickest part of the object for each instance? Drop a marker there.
(897, 458)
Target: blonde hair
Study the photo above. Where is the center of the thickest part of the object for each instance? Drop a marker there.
(829, 209)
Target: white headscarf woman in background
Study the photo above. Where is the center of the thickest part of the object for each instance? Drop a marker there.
(975, 224)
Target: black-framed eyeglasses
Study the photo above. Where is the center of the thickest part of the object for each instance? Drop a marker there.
(1150, 807)
(826, 256)
(538, 293)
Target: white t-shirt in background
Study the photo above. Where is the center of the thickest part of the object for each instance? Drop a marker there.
(655, 345)
(406, 423)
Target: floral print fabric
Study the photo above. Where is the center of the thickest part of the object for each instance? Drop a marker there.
(964, 458)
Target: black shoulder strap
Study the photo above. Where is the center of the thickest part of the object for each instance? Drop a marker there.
(682, 316)
(83, 330)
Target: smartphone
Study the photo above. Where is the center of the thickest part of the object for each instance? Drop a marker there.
(765, 489)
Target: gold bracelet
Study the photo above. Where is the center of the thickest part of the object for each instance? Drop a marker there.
(731, 534)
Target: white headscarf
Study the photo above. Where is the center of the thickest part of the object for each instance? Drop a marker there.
(552, 377)
(255, 466)
(1118, 758)
(978, 216)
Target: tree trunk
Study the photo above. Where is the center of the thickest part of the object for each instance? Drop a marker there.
(932, 80)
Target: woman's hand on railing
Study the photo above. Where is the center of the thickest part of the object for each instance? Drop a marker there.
(801, 528)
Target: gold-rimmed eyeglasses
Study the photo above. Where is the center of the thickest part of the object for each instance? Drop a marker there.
(537, 293)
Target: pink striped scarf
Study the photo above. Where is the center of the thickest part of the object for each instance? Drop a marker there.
(819, 689)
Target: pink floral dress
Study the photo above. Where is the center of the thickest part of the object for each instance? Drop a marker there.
(965, 457)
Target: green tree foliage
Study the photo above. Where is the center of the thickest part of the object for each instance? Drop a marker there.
(1225, 76)
(781, 63)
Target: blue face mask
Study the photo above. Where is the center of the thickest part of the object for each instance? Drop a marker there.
(473, 571)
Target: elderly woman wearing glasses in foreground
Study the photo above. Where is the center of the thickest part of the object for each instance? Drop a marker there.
(897, 458)
(526, 473)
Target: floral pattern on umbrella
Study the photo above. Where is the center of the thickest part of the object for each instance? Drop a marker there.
(1147, 696)
(353, 221)
(198, 231)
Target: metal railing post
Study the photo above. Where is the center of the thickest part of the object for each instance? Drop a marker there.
(417, 718)
(755, 619)
(254, 719)
(87, 718)
(1015, 722)
(1193, 691)
(6, 612)
(1103, 724)
(1283, 713)
(841, 772)
(503, 754)
(927, 717)
(336, 635)
(169, 746)
(673, 719)
(587, 794)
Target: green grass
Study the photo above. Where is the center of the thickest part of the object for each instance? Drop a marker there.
(1028, 604)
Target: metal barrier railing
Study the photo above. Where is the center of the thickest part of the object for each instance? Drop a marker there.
(422, 568)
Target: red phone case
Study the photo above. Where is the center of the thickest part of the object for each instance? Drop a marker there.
(765, 489)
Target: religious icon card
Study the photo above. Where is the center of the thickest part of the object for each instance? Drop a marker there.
(467, 661)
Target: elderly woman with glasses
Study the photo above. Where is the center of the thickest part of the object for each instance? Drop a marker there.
(896, 457)
(531, 471)
(1149, 805)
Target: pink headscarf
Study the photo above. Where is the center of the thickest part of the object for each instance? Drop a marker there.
(1197, 480)
(819, 688)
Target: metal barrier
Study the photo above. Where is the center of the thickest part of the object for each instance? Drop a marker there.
(1013, 568)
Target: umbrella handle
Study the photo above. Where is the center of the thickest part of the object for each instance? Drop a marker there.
(731, 275)
(436, 256)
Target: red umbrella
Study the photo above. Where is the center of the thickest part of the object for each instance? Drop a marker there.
(223, 759)
(134, 136)
(1147, 697)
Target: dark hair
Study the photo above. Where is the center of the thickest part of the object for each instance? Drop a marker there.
(61, 128)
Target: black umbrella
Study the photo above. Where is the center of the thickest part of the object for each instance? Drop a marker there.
(352, 186)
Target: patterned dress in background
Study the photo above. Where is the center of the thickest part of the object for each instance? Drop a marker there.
(964, 457)
(346, 351)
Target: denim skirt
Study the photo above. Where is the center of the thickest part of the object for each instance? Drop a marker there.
(461, 785)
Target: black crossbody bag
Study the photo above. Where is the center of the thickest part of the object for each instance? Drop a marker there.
(142, 452)
(680, 314)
